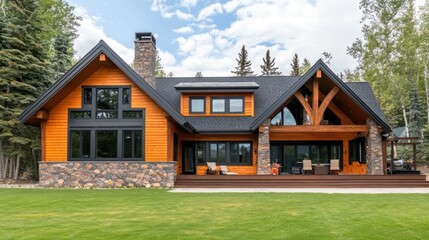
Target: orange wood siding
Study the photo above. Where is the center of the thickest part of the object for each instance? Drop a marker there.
(248, 103)
(240, 169)
(108, 74)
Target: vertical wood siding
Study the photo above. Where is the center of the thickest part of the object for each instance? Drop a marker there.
(110, 75)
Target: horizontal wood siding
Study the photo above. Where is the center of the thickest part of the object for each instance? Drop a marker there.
(248, 103)
(108, 74)
(240, 169)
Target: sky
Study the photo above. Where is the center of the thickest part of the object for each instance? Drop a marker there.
(206, 35)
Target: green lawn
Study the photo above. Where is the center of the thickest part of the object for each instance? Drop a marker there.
(159, 214)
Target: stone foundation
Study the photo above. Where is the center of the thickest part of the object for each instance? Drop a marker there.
(374, 155)
(264, 165)
(102, 174)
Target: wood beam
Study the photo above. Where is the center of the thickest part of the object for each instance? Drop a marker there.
(42, 114)
(315, 101)
(325, 103)
(305, 104)
(320, 128)
(319, 73)
(102, 57)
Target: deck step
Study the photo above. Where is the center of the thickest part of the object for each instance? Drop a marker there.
(302, 181)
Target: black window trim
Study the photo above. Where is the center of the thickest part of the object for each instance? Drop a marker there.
(93, 143)
(227, 104)
(197, 98)
(227, 152)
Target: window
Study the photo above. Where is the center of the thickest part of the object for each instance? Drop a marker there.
(240, 152)
(357, 151)
(284, 118)
(132, 114)
(227, 105)
(234, 153)
(132, 143)
(80, 114)
(236, 105)
(125, 95)
(218, 106)
(87, 96)
(107, 102)
(107, 144)
(80, 142)
(197, 105)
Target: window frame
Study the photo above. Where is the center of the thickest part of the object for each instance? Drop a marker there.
(197, 98)
(206, 157)
(227, 104)
(70, 143)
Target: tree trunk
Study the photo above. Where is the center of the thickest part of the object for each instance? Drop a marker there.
(404, 113)
(6, 161)
(18, 159)
(1, 159)
(11, 165)
(426, 91)
(35, 168)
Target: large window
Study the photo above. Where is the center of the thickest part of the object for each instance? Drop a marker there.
(227, 104)
(107, 102)
(232, 153)
(197, 104)
(106, 127)
(290, 155)
(80, 142)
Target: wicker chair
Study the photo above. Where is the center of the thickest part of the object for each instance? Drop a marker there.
(334, 166)
(212, 168)
(224, 170)
(306, 166)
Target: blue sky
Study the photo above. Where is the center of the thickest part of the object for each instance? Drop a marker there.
(206, 35)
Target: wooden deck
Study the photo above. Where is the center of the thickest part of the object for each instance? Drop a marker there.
(302, 181)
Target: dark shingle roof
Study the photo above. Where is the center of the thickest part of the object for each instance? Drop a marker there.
(270, 90)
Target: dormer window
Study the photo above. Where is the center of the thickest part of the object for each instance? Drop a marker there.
(197, 105)
(227, 104)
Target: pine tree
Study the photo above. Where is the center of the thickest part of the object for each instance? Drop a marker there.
(199, 75)
(159, 70)
(170, 75)
(327, 56)
(295, 71)
(244, 65)
(416, 114)
(304, 67)
(268, 68)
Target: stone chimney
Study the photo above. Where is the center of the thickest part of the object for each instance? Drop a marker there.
(145, 56)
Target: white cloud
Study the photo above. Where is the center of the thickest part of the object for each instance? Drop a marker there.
(162, 7)
(183, 30)
(167, 59)
(184, 16)
(90, 33)
(231, 5)
(283, 26)
(188, 3)
(211, 10)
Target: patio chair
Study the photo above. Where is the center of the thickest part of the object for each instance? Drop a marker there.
(212, 168)
(334, 167)
(224, 170)
(306, 166)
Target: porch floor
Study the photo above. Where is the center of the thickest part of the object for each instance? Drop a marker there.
(302, 181)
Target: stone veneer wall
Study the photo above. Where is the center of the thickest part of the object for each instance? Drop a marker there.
(107, 174)
(264, 165)
(374, 154)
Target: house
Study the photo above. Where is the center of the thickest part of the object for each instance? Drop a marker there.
(104, 124)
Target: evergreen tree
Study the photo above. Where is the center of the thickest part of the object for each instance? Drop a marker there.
(170, 74)
(416, 114)
(304, 67)
(243, 64)
(295, 71)
(159, 70)
(327, 56)
(268, 68)
(199, 75)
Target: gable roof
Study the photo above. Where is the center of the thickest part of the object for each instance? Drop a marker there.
(102, 47)
(379, 119)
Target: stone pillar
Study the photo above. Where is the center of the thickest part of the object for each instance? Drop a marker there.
(264, 165)
(374, 153)
(145, 56)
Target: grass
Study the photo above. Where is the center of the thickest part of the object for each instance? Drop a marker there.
(159, 214)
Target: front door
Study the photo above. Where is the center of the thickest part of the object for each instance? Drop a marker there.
(188, 160)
